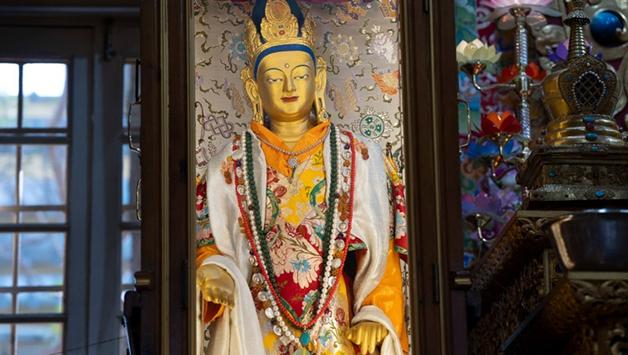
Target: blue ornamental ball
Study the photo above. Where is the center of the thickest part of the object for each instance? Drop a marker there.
(604, 26)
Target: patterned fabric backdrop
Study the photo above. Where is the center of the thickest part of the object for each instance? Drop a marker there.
(359, 39)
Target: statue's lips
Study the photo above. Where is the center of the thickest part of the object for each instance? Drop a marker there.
(290, 99)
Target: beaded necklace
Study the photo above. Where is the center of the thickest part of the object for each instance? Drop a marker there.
(264, 282)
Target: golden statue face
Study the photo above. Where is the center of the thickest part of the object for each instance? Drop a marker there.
(287, 83)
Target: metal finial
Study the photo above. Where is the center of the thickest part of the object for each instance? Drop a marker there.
(576, 19)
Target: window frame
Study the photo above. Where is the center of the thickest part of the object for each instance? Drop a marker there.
(93, 243)
(76, 75)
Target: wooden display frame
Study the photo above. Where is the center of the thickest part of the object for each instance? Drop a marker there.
(432, 161)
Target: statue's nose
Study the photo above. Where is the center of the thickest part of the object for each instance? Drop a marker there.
(289, 85)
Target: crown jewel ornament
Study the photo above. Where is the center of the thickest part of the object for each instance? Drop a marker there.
(275, 26)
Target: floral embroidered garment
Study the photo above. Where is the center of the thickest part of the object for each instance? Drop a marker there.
(295, 209)
(294, 221)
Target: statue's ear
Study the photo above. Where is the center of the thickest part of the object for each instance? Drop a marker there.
(252, 92)
(321, 77)
(250, 86)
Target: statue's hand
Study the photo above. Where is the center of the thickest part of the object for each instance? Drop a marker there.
(367, 335)
(215, 285)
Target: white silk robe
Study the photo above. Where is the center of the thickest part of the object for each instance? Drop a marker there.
(234, 332)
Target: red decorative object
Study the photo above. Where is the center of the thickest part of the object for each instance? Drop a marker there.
(535, 72)
(510, 72)
(500, 122)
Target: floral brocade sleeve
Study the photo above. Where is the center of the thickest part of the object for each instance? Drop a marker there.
(203, 231)
(397, 196)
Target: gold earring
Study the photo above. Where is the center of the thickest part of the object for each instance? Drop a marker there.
(258, 112)
(321, 113)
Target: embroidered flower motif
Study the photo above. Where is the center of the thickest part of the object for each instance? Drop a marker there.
(362, 148)
(388, 83)
(383, 44)
(280, 191)
(341, 317)
(197, 6)
(344, 97)
(226, 168)
(305, 269)
(350, 10)
(344, 205)
(301, 265)
(201, 196)
(271, 176)
(204, 236)
(324, 338)
(344, 50)
(389, 8)
(237, 47)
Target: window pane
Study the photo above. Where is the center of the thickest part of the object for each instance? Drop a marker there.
(9, 90)
(41, 259)
(45, 95)
(6, 303)
(42, 217)
(130, 175)
(130, 255)
(128, 93)
(7, 217)
(40, 302)
(6, 259)
(37, 339)
(129, 214)
(43, 175)
(8, 171)
(5, 339)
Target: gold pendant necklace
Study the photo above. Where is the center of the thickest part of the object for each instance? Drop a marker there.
(293, 161)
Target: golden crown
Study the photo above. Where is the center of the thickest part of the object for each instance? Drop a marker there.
(279, 26)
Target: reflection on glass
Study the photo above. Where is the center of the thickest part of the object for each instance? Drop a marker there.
(128, 87)
(45, 95)
(6, 303)
(6, 259)
(130, 175)
(40, 302)
(130, 255)
(37, 339)
(43, 175)
(42, 217)
(8, 171)
(129, 214)
(5, 339)
(41, 259)
(9, 90)
(7, 217)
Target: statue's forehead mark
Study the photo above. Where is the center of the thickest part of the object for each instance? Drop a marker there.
(286, 65)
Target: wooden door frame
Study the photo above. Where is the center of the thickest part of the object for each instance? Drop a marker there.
(167, 142)
(432, 172)
(430, 85)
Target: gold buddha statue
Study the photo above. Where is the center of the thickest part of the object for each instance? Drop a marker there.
(291, 260)
(580, 96)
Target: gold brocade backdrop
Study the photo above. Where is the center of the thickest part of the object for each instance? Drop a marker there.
(359, 39)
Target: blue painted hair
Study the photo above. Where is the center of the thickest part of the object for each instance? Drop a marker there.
(283, 48)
